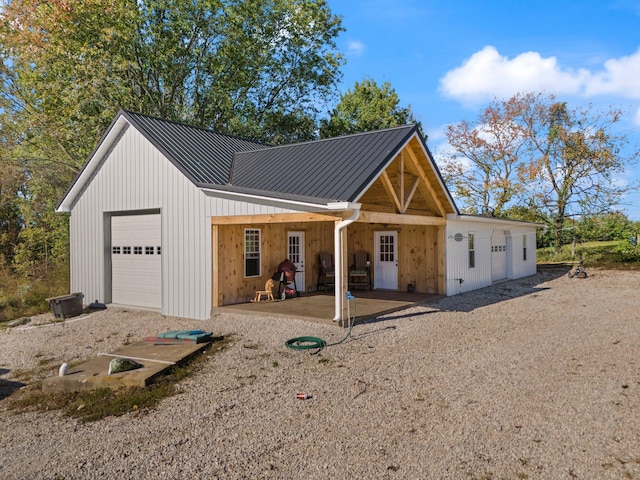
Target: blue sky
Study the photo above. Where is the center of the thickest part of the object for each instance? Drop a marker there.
(448, 59)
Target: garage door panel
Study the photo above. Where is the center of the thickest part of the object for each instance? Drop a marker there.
(136, 265)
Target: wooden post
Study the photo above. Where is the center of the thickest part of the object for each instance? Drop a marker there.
(442, 260)
(215, 266)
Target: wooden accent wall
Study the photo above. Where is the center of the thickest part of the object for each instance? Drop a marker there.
(418, 253)
(230, 284)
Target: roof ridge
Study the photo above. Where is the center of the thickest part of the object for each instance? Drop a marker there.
(129, 113)
(341, 137)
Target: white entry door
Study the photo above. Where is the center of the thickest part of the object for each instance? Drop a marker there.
(136, 254)
(385, 263)
(498, 255)
(296, 255)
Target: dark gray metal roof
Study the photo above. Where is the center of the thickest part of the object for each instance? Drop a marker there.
(204, 156)
(338, 168)
(317, 172)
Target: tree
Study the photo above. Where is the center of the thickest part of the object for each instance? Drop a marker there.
(367, 107)
(253, 68)
(486, 154)
(532, 150)
(604, 227)
(577, 159)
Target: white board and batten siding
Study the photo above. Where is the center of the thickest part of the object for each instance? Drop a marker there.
(498, 252)
(135, 178)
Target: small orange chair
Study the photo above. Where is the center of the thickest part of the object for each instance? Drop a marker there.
(268, 291)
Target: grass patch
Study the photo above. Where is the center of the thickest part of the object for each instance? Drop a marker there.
(614, 254)
(97, 404)
(25, 296)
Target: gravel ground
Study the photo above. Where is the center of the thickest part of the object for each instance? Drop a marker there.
(535, 378)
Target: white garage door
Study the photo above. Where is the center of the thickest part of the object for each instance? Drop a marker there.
(498, 255)
(135, 260)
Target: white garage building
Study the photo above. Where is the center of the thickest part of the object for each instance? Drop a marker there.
(181, 219)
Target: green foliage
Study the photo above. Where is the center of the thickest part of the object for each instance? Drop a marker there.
(628, 252)
(252, 68)
(367, 107)
(23, 296)
(610, 226)
(609, 254)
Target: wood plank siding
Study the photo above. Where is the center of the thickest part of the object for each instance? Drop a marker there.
(418, 250)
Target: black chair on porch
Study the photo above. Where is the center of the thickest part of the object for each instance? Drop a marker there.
(359, 273)
(326, 271)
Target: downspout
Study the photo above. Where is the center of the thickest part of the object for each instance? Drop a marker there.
(338, 261)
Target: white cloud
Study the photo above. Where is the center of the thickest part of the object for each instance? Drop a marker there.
(636, 119)
(620, 77)
(355, 48)
(487, 74)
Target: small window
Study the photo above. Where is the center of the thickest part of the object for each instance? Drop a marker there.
(524, 247)
(252, 252)
(148, 250)
(472, 250)
(137, 250)
(126, 250)
(159, 250)
(116, 250)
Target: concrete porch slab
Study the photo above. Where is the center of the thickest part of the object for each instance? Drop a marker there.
(320, 308)
(94, 373)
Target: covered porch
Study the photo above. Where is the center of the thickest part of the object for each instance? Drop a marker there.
(388, 236)
(415, 254)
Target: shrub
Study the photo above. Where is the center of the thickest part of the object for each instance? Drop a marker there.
(627, 252)
(23, 296)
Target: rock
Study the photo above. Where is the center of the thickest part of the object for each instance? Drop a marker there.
(18, 321)
(118, 365)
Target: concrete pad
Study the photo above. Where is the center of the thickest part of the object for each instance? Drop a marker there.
(320, 308)
(94, 373)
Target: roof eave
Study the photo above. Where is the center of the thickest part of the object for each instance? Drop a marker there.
(415, 131)
(383, 166)
(115, 130)
(310, 204)
(494, 220)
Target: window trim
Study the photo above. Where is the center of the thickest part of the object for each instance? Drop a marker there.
(471, 249)
(253, 254)
(524, 247)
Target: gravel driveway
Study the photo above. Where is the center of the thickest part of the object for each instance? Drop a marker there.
(535, 378)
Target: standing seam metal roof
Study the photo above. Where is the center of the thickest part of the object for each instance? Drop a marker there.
(204, 156)
(334, 169)
(337, 168)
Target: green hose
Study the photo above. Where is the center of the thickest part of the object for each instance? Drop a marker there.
(306, 343)
(310, 343)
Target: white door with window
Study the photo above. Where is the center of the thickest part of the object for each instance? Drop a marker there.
(136, 255)
(498, 255)
(295, 253)
(385, 274)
